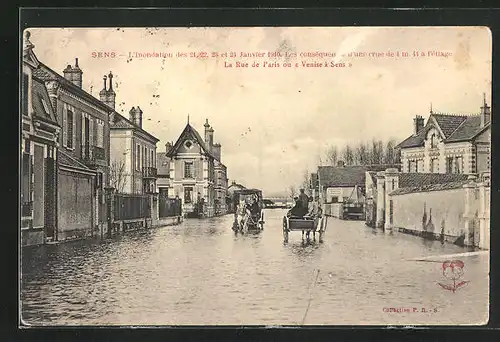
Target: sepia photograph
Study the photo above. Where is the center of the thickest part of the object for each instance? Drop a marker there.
(242, 176)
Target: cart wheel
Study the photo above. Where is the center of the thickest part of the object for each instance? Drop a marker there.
(285, 230)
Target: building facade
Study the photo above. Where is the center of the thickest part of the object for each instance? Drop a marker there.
(83, 154)
(449, 144)
(163, 174)
(193, 165)
(133, 167)
(40, 131)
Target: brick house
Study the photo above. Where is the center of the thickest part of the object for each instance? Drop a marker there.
(83, 154)
(40, 131)
(133, 154)
(193, 165)
(449, 144)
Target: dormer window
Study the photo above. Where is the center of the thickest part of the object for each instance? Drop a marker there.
(433, 141)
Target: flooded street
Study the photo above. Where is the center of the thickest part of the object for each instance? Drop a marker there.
(202, 273)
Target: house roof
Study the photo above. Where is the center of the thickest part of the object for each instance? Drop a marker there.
(41, 102)
(189, 131)
(121, 122)
(66, 159)
(429, 187)
(346, 176)
(454, 127)
(448, 123)
(407, 180)
(469, 129)
(162, 165)
(45, 73)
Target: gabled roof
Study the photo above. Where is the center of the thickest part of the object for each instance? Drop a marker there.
(423, 179)
(449, 123)
(454, 128)
(45, 73)
(468, 130)
(121, 122)
(190, 132)
(41, 102)
(346, 176)
(66, 159)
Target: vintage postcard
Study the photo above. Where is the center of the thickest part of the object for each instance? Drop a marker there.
(272, 176)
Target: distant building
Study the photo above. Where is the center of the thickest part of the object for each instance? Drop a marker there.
(449, 144)
(193, 165)
(83, 153)
(40, 131)
(163, 174)
(133, 153)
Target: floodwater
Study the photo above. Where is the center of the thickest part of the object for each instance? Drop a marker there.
(202, 273)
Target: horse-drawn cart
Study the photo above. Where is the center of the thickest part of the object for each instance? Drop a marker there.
(305, 224)
(248, 215)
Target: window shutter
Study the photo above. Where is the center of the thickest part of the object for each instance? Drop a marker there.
(65, 125)
(73, 135)
(83, 136)
(91, 135)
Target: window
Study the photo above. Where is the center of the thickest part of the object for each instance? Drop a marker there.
(188, 170)
(45, 106)
(24, 94)
(188, 195)
(458, 165)
(85, 136)
(138, 166)
(335, 199)
(413, 167)
(449, 164)
(433, 141)
(151, 161)
(70, 126)
(434, 165)
(100, 133)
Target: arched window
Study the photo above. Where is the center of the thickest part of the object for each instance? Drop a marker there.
(433, 141)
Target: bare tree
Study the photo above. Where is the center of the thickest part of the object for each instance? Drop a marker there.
(118, 175)
(292, 191)
(376, 152)
(390, 154)
(361, 154)
(332, 155)
(306, 180)
(348, 155)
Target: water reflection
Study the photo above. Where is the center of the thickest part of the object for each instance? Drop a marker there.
(200, 272)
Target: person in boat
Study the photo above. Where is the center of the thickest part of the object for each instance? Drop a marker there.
(297, 210)
(303, 199)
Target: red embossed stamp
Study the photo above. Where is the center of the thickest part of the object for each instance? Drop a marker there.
(453, 270)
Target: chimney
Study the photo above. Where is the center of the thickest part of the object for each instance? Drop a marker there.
(138, 114)
(217, 151)
(111, 95)
(77, 74)
(68, 73)
(207, 130)
(168, 146)
(418, 124)
(211, 139)
(103, 93)
(133, 116)
(485, 112)
(340, 163)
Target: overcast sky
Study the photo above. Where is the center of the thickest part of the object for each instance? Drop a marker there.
(273, 123)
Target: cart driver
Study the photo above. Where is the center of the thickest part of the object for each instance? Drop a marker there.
(303, 199)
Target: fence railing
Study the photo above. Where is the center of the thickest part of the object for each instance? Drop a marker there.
(129, 207)
(168, 207)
